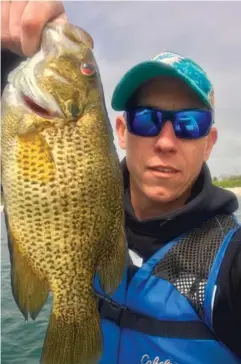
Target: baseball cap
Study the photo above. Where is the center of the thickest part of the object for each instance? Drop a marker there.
(165, 63)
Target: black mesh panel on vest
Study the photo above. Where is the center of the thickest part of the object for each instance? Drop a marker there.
(187, 264)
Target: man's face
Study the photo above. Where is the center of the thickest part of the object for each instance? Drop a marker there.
(184, 157)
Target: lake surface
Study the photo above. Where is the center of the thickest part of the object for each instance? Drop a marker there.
(22, 341)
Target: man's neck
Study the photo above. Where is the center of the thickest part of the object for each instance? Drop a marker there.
(145, 208)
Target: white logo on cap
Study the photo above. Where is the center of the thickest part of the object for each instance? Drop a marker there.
(168, 60)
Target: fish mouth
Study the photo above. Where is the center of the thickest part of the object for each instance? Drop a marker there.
(24, 81)
(36, 108)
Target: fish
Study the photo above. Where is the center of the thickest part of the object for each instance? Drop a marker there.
(63, 192)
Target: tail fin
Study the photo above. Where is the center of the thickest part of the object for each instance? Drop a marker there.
(77, 341)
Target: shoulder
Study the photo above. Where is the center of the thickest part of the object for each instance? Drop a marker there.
(227, 313)
(230, 270)
(229, 277)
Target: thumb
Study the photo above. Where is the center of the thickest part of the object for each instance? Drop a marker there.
(61, 19)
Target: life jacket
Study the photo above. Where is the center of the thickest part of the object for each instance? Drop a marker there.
(164, 315)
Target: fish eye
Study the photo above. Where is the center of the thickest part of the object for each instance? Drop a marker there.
(87, 69)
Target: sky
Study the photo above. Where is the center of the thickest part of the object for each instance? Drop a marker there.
(126, 33)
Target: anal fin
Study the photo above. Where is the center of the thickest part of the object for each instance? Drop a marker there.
(30, 293)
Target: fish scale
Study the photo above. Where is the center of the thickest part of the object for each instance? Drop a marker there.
(63, 192)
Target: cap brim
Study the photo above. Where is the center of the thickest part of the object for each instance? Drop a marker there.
(142, 72)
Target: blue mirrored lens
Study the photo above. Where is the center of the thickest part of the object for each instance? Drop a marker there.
(188, 124)
(144, 122)
(192, 123)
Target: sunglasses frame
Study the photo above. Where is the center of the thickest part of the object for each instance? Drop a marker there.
(168, 115)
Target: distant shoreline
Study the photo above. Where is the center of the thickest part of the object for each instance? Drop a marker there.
(235, 190)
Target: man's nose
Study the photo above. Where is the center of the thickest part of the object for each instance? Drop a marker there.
(167, 140)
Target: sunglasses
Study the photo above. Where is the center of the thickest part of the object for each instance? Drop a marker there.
(187, 123)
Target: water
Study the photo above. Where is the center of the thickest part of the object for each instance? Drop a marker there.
(22, 341)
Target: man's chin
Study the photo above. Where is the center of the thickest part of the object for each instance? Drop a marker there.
(163, 195)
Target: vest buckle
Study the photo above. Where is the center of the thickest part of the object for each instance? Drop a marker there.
(110, 310)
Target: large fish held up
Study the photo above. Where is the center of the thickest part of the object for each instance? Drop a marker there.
(63, 192)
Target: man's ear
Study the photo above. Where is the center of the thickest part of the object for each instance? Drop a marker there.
(211, 140)
(120, 127)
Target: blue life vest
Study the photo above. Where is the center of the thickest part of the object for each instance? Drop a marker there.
(152, 321)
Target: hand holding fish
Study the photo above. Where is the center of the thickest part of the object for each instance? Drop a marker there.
(22, 23)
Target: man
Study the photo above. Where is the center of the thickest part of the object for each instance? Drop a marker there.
(180, 301)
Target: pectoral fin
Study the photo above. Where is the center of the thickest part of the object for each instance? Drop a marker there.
(112, 263)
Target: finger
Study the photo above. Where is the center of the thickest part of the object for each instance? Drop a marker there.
(34, 18)
(16, 11)
(6, 40)
(5, 10)
(62, 18)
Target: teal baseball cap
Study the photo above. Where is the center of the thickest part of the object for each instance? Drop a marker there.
(165, 63)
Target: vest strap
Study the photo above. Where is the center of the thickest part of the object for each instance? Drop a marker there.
(126, 318)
